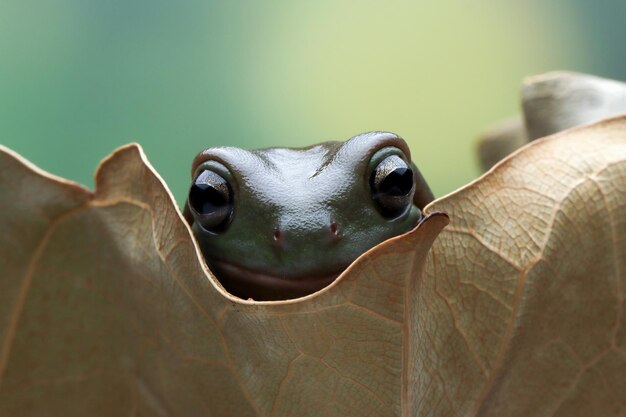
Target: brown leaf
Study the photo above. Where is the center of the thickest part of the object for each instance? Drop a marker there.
(552, 102)
(526, 286)
(515, 310)
(499, 141)
(559, 100)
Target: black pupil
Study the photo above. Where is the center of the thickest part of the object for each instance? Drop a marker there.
(206, 199)
(392, 186)
(209, 193)
(397, 183)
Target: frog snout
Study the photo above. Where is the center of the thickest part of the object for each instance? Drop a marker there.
(295, 239)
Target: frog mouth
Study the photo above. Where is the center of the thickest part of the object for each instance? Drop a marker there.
(261, 286)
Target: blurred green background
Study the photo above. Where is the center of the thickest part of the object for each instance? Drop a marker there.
(80, 78)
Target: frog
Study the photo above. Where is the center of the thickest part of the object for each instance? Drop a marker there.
(284, 223)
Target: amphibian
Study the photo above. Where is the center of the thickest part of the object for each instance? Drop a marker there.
(281, 223)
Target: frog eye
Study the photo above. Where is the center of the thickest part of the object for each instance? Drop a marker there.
(392, 186)
(211, 201)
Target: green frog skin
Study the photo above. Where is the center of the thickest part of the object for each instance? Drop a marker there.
(282, 223)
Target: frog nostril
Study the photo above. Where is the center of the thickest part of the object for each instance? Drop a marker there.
(334, 230)
(277, 235)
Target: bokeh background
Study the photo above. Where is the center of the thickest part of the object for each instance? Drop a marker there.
(79, 78)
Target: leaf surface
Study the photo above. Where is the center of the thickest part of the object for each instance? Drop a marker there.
(527, 284)
(515, 309)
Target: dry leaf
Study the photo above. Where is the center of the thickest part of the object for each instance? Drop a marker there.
(559, 100)
(515, 309)
(551, 103)
(499, 141)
